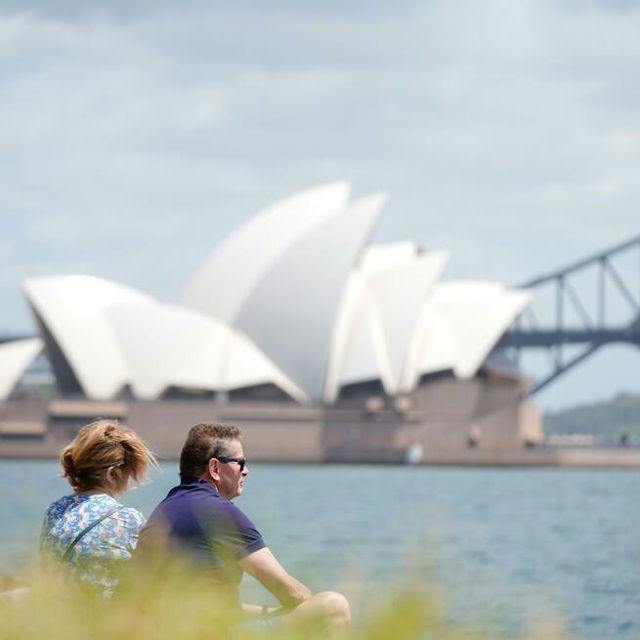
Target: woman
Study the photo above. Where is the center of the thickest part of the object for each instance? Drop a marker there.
(89, 531)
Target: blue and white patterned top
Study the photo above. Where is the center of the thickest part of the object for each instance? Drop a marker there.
(97, 555)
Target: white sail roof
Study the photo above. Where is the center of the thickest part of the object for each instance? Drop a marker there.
(384, 309)
(225, 281)
(166, 345)
(400, 294)
(15, 357)
(73, 310)
(461, 324)
(354, 350)
(478, 313)
(292, 311)
(158, 340)
(379, 258)
(432, 348)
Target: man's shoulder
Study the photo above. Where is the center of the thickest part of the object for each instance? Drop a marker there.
(207, 500)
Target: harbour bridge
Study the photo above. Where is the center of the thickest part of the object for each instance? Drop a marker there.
(587, 305)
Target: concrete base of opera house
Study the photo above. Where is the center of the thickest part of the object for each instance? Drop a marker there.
(444, 422)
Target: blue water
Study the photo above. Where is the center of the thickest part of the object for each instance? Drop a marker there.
(507, 549)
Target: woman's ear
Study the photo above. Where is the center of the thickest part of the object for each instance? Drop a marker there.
(114, 481)
(108, 479)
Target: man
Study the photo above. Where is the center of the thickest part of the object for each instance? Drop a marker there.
(198, 520)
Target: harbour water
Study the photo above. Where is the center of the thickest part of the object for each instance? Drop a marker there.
(508, 550)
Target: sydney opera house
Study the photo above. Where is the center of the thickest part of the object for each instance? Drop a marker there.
(320, 344)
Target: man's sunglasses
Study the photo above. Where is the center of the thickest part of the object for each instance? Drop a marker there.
(241, 461)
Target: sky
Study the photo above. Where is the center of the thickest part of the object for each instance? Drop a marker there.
(135, 136)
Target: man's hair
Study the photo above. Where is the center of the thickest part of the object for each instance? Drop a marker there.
(205, 441)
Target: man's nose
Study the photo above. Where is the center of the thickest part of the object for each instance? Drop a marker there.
(245, 470)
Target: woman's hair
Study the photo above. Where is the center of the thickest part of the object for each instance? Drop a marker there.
(102, 445)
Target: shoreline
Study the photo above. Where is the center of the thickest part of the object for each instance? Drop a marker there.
(578, 458)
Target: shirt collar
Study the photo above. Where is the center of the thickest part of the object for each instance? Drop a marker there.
(186, 481)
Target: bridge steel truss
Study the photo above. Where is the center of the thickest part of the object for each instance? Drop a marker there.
(588, 306)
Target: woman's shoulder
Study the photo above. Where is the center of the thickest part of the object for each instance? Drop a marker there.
(100, 504)
(85, 507)
(59, 506)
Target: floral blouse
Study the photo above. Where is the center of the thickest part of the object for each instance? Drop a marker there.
(97, 555)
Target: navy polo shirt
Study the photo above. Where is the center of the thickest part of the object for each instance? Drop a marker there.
(205, 527)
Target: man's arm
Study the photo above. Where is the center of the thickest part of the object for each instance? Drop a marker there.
(264, 567)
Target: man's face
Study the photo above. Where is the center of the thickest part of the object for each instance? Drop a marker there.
(230, 478)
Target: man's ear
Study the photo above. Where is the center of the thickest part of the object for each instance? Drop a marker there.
(213, 468)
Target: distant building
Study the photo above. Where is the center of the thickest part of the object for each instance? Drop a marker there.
(295, 314)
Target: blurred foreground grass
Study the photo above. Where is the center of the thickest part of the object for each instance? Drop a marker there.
(54, 608)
